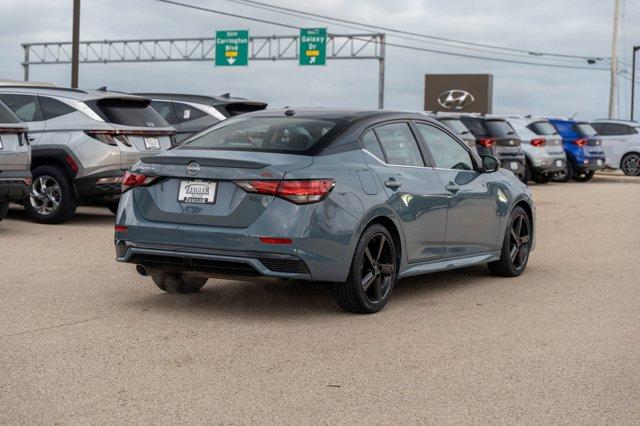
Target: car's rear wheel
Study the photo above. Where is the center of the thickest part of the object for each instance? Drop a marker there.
(373, 273)
(528, 173)
(51, 199)
(630, 164)
(4, 208)
(172, 282)
(583, 176)
(515, 246)
(542, 178)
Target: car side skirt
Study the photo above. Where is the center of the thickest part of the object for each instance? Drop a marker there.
(451, 263)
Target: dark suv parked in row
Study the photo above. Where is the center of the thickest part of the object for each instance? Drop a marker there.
(495, 136)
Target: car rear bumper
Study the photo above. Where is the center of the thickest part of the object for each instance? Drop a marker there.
(213, 263)
(515, 164)
(14, 185)
(549, 165)
(591, 164)
(101, 185)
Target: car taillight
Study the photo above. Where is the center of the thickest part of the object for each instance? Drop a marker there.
(539, 142)
(304, 191)
(132, 180)
(487, 142)
(580, 142)
(108, 137)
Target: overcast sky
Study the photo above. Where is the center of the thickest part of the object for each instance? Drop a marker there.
(581, 27)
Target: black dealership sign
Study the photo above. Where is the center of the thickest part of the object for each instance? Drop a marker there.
(458, 92)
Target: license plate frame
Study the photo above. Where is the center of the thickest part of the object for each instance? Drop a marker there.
(151, 143)
(558, 163)
(193, 191)
(599, 162)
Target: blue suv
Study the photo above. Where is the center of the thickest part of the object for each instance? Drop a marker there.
(583, 147)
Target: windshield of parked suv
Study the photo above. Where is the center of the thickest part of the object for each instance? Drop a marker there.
(127, 112)
(586, 129)
(499, 128)
(457, 126)
(543, 128)
(6, 116)
(275, 134)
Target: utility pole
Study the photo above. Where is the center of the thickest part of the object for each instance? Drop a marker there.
(75, 44)
(633, 80)
(614, 60)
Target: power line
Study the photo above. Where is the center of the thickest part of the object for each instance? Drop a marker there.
(401, 46)
(529, 52)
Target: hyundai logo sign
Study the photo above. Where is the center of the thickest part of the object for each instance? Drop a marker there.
(193, 168)
(455, 99)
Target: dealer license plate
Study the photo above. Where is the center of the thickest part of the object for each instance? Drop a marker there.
(559, 163)
(197, 192)
(514, 165)
(151, 143)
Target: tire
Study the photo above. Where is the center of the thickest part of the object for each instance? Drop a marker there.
(372, 275)
(177, 283)
(564, 176)
(113, 206)
(514, 254)
(630, 164)
(542, 178)
(583, 176)
(51, 184)
(4, 208)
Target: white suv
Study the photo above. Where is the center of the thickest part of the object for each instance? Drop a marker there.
(621, 144)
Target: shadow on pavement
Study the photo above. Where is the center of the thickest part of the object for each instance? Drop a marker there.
(84, 215)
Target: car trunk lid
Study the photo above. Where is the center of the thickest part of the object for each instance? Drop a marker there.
(216, 171)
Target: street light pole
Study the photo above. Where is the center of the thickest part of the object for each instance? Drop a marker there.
(633, 80)
(75, 44)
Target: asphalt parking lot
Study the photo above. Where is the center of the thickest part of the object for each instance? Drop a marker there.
(87, 340)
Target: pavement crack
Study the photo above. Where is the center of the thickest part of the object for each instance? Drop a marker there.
(66, 324)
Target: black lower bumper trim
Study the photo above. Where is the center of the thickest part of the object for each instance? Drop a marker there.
(13, 190)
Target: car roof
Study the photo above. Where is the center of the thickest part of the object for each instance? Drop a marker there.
(350, 115)
(201, 99)
(66, 92)
(617, 121)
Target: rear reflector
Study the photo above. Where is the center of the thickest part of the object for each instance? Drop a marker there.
(538, 142)
(121, 228)
(72, 164)
(580, 142)
(132, 180)
(275, 240)
(304, 191)
(487, 142)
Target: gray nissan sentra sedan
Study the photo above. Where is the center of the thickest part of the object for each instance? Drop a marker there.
(354, 198)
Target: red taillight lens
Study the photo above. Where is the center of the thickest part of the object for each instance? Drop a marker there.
(275, 240)
(305, 191)
(72, 163)
(580, 142)
(104, 136)
(539, 143)
(487, 142)
(121, 228)
(132, 180)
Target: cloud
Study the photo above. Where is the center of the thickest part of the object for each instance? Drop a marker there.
(570, 26)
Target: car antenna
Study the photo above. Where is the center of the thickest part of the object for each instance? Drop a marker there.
(574, 115)
(102, 89)
(226, 95)
(289, 112)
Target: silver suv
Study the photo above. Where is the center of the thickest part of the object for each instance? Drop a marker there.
(191, 114)
(82, 142)
(621, 144)
(15, 159)
(542, 146)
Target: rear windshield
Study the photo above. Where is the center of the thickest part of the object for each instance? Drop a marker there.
(456, 125)
(274, 134)
(6, 116)
(586, 129)
(128, 112)
(475, 125)
(499, 128)
(543, 128)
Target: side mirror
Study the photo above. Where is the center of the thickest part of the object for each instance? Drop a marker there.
(490, 163)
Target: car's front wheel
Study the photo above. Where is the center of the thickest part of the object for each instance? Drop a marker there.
(172, 282)
(515, 246)
(51, 199)
(564, 175)
(373, 273)
(584, 176)
(630, 164)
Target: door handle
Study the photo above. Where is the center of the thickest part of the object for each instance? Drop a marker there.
(391, 183)
(452, 187)
(32, 138)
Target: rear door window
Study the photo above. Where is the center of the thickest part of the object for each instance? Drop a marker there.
(456, 125)
(586, 129)
(127, 112)
(188, 114)
(499, 128)
(165, 109)
(399, 145)
(475, 125)
(53, 108)
(371, 144)
(26, 107)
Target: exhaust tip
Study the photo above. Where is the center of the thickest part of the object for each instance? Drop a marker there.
(142, 270)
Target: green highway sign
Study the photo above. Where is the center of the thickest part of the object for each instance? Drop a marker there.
(313, 46)
(232, 48)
